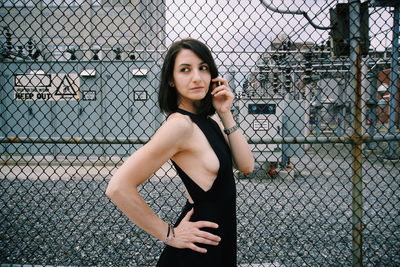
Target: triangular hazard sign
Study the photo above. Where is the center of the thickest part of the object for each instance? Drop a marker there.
(66, 87)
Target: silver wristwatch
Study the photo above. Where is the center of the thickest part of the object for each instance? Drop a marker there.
(231, 130)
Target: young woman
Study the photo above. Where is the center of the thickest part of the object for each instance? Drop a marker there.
(202, 148)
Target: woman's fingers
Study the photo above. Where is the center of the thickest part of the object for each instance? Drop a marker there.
(220, 80)
(203, 235)
(201, 240)
(206, 241)
(188, 215)
(192, 246)
(221, 87)
(220, 90)
(205, 224)
(188, 234)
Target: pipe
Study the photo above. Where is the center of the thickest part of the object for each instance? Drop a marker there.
(295, 12)
(394, 76)
(264, 140)
(341, 112)
(372, 91)
(357, 198)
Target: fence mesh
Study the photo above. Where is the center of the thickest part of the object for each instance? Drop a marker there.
(316, 94)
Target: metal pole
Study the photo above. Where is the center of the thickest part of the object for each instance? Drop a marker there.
(394, 75)
(364, 95)
(307, 129)
(355, 61)
(231, 79)
(318, 112)
(372, 91)
(340, 103)
(264, 140)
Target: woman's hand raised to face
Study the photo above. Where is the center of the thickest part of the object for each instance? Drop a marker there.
(222, 95)
(188, 233)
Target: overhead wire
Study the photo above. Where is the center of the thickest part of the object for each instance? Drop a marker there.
(295, 12)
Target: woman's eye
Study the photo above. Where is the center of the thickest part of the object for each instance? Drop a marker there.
(184, 69)
(204, 68)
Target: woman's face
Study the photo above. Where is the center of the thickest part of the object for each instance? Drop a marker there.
(191, 77)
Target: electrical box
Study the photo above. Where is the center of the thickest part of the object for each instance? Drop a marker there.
(385, 3)
(340, 33)
(271, 118)
(293, 125)
(262, 118)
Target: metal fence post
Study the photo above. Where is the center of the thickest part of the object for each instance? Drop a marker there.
(340, 129)
(394, 75)
(357, 198)
(371, 103)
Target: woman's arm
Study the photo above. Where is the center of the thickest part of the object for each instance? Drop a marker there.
(241, 152)
(122, 188)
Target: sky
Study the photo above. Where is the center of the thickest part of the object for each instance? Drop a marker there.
(238, 31)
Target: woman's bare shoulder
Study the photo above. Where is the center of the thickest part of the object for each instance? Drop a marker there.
(180, 119)
(178, 125)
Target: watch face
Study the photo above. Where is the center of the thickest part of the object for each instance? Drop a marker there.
(231, 130)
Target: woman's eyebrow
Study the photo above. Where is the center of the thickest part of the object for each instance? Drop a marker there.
(187, 64)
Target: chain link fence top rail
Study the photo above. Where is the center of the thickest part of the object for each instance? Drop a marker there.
(316, 85)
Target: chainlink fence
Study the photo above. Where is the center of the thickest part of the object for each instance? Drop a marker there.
(316, 85)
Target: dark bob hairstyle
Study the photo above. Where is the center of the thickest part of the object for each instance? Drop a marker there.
(168, 96)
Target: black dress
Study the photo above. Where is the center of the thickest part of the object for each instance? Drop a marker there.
(218, 204)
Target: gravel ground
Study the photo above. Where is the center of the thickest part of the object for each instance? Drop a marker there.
(304, 221)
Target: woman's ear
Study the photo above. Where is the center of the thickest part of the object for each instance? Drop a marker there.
(171, 83)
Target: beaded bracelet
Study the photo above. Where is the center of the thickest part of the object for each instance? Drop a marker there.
(173, 231)
(170, 229)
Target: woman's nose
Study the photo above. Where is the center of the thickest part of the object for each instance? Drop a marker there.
(196, 76)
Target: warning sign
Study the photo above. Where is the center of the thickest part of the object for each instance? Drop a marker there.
(47, 87)
(89, 95)
(67, 87)
(260, 125)
(140, 95)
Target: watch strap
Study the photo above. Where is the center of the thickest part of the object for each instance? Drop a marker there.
(230, 130)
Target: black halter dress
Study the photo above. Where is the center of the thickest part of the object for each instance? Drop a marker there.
(218, 204)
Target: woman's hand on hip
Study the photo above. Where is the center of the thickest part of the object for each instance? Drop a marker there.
(188, 233)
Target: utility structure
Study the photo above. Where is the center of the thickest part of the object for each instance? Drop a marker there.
(138, 27)
(349, 40)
